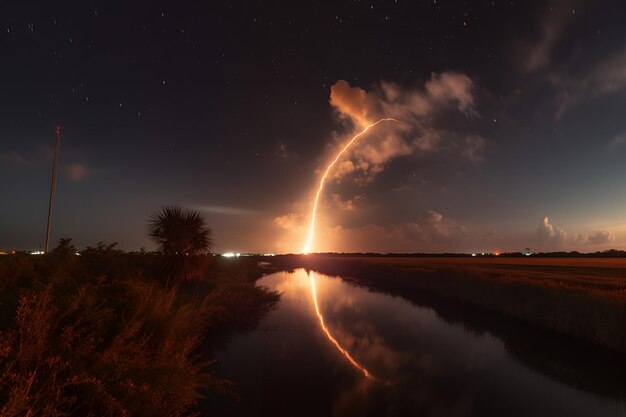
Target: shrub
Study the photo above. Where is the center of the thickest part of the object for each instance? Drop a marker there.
(183, 241)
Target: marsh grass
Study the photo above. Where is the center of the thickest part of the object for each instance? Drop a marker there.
(100, 335)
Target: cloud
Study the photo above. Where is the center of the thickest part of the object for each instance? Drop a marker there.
(353, 103)
(549, 236)
(228, 211)
(293, 222)
(433, 227)
(369, 158)
(609, 76)
(445, 90)
(452, 88)
(12, 158)
(606, 77)
(600, 237)
(418, 108)
(473, 148)
(75, 171)
(431, 231)
(618, 141)
(343, 168)
(552, 26)
(346, 205)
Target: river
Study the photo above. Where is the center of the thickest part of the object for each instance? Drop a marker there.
(332, 348)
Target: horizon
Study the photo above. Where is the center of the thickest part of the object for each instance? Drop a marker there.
(237, 254)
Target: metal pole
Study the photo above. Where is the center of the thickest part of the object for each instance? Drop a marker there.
(57, 151)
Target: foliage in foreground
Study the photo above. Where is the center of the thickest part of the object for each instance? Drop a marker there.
(96, 335)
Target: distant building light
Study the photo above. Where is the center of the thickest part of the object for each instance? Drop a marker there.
(473, 254)
(269, 254)
(231, 255)
(37, 252)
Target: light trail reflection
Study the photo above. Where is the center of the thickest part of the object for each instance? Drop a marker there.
(330, 337)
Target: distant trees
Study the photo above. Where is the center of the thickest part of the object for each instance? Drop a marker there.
(65, 249)
(183, 240)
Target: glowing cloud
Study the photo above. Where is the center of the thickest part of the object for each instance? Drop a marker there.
(549, 235)
(601, 237)
(420, 107)
(76, 171)
(429, 232)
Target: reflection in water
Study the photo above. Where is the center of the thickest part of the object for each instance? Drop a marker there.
(330, 337)
(442, 360)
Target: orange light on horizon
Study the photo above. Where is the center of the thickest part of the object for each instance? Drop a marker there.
(309, 242)
(330, 337)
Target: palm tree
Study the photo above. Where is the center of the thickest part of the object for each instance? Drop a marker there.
(183, 240)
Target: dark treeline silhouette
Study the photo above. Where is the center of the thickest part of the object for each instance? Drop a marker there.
(610, 253)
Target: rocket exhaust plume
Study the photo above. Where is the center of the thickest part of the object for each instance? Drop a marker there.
(309, 242)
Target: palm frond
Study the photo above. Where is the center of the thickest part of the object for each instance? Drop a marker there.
(183, 238)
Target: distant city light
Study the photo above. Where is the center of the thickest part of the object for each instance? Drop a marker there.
(238, 254)
(37, 252)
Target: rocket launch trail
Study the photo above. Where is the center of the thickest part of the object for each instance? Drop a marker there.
(309, 242)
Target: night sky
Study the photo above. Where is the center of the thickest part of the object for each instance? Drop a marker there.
(514, 112)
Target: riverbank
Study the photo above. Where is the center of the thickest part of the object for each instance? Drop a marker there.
(103, 334)
(583, 298)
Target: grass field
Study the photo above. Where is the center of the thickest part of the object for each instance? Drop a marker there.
(580, 297)
(602, 276)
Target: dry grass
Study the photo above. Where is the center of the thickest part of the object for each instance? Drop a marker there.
(601, 276)
(100, 335)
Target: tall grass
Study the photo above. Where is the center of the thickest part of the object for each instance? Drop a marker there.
(100, 335)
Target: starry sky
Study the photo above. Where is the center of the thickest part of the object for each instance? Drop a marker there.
(513, 132)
